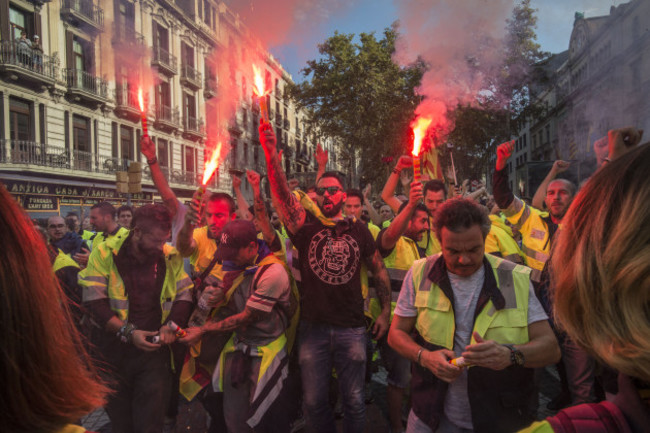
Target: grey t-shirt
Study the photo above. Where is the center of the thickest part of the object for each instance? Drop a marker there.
(466, 294)
(272, 290)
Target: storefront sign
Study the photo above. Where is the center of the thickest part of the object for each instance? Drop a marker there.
(40, 203)
(17, 187)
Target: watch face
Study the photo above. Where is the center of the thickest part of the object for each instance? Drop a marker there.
(517, 357)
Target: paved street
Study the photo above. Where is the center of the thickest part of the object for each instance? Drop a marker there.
(192, 417)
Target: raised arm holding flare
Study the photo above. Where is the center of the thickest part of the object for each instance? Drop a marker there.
(169, 198)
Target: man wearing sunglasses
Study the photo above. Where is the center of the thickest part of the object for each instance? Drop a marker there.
(332, 329)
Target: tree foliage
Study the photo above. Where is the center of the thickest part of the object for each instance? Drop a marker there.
(504, 109)
(358, 95)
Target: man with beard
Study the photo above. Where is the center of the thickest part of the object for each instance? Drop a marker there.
(466, 303)
(397, 244)
(133, 287)
(537, 230)
(102, 218)
(332, 328)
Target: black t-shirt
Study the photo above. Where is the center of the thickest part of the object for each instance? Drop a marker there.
(330, 268)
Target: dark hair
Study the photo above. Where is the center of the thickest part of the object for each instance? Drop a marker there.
(570, 185)
(434, 185)
(72, 214)
(418, 207)
(152, 216)
(105, 208)
(334, 175)
(123, 208)
(222, 196)
(458, 214)
(69, 222)
(353, 192)
(311, 188)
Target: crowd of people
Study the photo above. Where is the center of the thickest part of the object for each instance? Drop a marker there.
(271, 313)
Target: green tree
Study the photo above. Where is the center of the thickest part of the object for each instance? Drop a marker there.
(358, 95)
(508, 102)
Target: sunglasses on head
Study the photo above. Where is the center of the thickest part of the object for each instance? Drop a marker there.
(330, 189)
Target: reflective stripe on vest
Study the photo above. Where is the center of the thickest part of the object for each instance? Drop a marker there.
(269, 383)
(96, 286)
(436, 322)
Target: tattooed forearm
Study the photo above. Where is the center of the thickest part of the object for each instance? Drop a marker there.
(381, 279)
(246, 317)
(262, 218)
(290, 210)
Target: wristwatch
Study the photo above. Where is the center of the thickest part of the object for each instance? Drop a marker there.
(516, 357)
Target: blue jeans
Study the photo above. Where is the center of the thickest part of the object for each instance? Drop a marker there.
(322, 347)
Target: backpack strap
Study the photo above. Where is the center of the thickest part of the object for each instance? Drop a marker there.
(287, 313)
(603, 417)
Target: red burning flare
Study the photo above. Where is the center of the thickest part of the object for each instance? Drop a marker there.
(260, 90)
(211, 165)
(420, 126)
(145, 132)
(140, 99)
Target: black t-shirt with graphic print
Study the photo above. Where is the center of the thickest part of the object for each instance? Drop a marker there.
(330, 268)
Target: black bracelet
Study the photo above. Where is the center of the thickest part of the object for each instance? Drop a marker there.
(152, 161)
(396, 171)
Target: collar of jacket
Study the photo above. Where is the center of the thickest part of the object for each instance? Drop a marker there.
(490, 291)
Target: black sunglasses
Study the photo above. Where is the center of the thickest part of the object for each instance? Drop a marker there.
(330, 189)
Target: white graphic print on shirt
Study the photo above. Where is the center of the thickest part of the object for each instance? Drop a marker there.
(333, 260)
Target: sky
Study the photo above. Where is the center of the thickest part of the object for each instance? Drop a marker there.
(554, 26)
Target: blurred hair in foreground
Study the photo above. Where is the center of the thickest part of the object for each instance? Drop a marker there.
(601, 265)
(47, 378)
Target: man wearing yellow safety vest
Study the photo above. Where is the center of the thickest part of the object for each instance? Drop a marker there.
(133, 287)
(465, 303)
(537, 228)
(332, 327)
(397, 245)
(102, 218)
(253, 365)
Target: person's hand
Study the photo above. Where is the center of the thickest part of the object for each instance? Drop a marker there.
(619, 141)
(82, 257)
(253, 178)
(404, 161)
(193, 215)
(167, 336)
(437, 362)
(405, 179)
(487, 353)
(366, 191)
(267, 138)
(148, 147)
(293, 184)
(504, 151)
(212, 295)
(380, 327)
(236, 181)
(322, 156)
(139, 341)
(415, 194)
(560, 166)
(193, 335)
(458, 191)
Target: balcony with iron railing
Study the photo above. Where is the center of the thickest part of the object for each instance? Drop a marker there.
(167, 118)
(164, 60)
(191, 77)
(126, 102)
(85, 86)
(210, 88)
(126, 36)
(27, 65)
(193, 128)
(83, 11)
